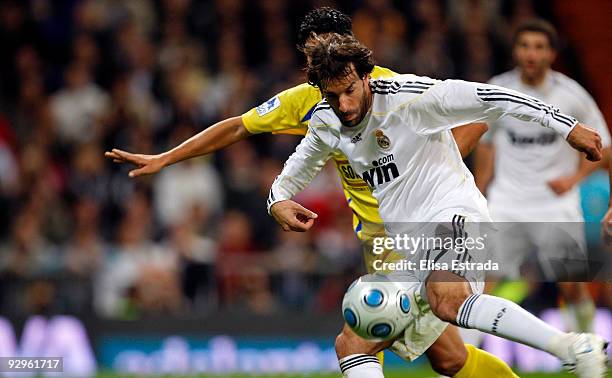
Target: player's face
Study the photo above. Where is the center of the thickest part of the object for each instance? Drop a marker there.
(533, 54)
(350, 98)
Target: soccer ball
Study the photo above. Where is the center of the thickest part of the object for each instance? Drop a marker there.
(377, 308)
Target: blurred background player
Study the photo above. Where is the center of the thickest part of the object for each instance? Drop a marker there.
(289, 112)
(532, 176)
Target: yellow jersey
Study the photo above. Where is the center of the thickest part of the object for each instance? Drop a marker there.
(289, 113)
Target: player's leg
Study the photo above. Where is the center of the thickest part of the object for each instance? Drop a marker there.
(516, 291)
(510, 246)
(448, 354)
(483, 364)
(450, 357)
(357, 357)
(451, 299)
(579, 306)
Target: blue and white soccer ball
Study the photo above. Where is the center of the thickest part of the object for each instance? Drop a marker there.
(377, 308)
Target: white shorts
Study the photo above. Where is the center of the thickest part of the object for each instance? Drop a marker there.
(556, 246)
(458, 244)
(422, 332)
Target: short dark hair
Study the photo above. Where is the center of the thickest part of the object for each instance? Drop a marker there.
(537, 25)
(333, 57)
(324, 20)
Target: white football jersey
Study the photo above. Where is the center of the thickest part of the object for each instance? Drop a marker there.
(404, 149)
(527, 157)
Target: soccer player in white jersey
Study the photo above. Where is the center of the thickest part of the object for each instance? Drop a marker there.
(289, 112)
(531, 175)
(396, 135)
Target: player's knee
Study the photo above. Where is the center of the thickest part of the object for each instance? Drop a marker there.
(342, 345)
(445, 295)
(348, 343)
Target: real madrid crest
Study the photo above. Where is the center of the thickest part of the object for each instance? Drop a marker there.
(382, 140)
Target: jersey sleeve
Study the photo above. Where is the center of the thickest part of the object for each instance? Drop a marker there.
(488, 136)
(302, 166)
(452, 103)
(287, 112)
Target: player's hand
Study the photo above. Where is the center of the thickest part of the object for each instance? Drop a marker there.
(292, 216)
(585, 139)
(562, 184)
(148, 164)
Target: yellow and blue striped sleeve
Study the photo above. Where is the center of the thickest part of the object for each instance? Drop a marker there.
(289, 111)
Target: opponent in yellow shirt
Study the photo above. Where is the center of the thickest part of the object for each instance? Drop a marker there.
(289, 112)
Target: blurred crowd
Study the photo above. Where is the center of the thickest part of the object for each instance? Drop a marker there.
(81, 77)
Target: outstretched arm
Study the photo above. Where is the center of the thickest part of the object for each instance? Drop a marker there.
(214, 138)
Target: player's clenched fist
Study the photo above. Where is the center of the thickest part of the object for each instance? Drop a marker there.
(586, 140)
(292, 216)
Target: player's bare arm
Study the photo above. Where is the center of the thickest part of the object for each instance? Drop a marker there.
(292, 216)
(232, 130)
(484, 168)
(214, 138)
(467, 137)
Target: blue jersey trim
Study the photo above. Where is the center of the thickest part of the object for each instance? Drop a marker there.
(309, 114)
(358, 227)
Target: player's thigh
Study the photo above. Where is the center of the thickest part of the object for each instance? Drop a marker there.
(421, 333)
(448, 352)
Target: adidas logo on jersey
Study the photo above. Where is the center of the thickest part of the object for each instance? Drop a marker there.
(384, 171)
